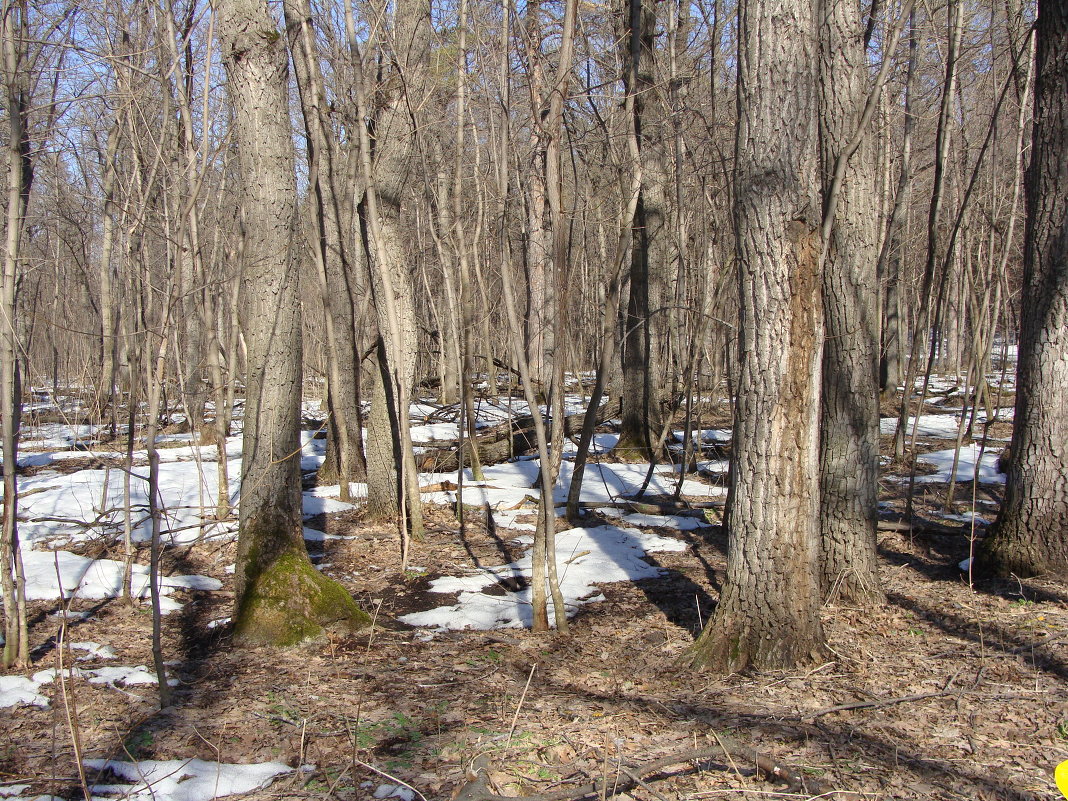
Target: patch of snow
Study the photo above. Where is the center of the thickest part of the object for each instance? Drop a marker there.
(97, 578)
(94, 650)
(930, 425)
(124, 676)
(15, 690)
(585, 558)
(680, 522)
(394, 791)
(967, 517)
(943, 461)
(435, 431)
(183, 779)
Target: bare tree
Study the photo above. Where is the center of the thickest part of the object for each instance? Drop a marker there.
(280, 597)
(1030, 536)
(849, 412)
(14, 34)
(768, 613)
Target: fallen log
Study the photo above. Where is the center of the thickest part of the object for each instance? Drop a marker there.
(495, 444)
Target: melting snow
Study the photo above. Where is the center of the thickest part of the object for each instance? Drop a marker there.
(183, 779)
(585, 557)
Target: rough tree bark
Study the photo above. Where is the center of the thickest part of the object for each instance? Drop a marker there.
(389, 453)
(768, 613)
(330, 252)
(280, 598)
(1030, 536)
(642, 396)
(849, 414)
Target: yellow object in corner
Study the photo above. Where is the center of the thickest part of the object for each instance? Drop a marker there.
(1060, 775)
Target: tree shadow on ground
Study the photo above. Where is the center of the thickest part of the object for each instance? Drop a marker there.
(684, 602)
(948, 551)
(846, 742)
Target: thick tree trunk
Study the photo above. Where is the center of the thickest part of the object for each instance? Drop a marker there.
(642, 396)
(330, 252)
(1030, 536)
(280, 598)
(849, 415)
(394, 149)
(768, 613)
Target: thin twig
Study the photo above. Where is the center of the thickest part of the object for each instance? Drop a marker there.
(519, 706)
(385, 775)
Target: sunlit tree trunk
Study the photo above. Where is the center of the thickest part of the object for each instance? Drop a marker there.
(280, 597)
(330, 248)
(19, 169)
(768, 612)
(643, 392)
(849, 414)
(392, 484)
(1030, 536)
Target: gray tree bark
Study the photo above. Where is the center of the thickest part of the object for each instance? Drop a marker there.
(389, 454)
(1030, 536)
(849, 414)
(330, 252)
(642, 359)
(768, 612)
(280, 598)
(19, 176)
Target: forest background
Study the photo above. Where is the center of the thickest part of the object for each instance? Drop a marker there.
(800, 207)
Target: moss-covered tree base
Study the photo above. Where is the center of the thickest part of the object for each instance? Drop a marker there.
(291, 602)
(631, 449)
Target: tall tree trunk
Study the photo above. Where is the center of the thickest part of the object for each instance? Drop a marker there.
(642, 415)
(330, 252)
(392, 483)
(19, 168)
(849, 414)
(280, 597)
(1030, 536)
(891, 257)
(768, 613)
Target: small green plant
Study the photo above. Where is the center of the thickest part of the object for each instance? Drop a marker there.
(915, 632)
(1024, 602)
(281, 711)
(1062, 730)
(138, 743)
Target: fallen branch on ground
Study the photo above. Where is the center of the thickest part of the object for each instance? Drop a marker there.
(478, 786)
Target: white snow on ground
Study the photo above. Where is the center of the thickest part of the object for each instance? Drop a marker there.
(394, 791)
(15, 690)
(943, 460)
(435, 431)
(183, 779)
(189, 478)
(585, 557)
(98, 578)
(931, 425)
(709, 436)
(940, 425)
(93, 650)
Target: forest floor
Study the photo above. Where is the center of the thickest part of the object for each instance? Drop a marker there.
(952, 690)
